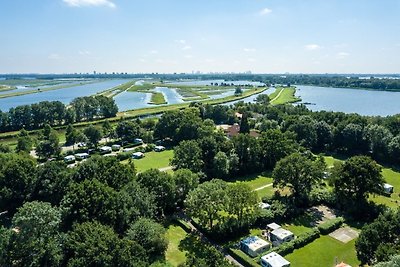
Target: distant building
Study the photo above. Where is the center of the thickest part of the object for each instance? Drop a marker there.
(254, 246)
(273, 259)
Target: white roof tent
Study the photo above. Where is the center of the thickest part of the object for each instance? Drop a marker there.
(254, 246)
(273, 226)
(264, 206)
(273, 259)
(137, 155)
(69, 158)
(105, 149)
(81, 155)
(159, 148)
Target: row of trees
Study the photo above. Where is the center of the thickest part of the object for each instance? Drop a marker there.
(55, 113)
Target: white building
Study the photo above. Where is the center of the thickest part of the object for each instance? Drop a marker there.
(280, 235)
(254, 246)
(273, 259)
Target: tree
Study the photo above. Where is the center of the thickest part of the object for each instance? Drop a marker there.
(207, 201)
(52, 181)
(221, 165)
(128, 130)
(37, 242)
(17, 177)
(49, 145)
(90, 200)
(150, 235)
(187, 155)
(262, 99)
(70, 135)
(93, 135)
(394, 149)
(185, 181)
(94, 244)
(379, 138)
(24, 142)
(238, 91)
(353, 139)
(324, 136)
(162, 185)
(244, 124)
(393, 262)
(5, 235)
(305, 129)
(357, 177)
(242, 202)
(107, 129)
(298, 173)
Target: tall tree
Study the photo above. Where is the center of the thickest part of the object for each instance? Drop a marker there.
(187, 155)
(242, 202)
(93, 135)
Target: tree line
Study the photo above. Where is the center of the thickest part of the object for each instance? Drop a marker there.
(55, 113)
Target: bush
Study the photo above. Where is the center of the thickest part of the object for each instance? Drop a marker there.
(242, 258)
(124, 155)
(299, 242)
(330, 226)
(150, 147)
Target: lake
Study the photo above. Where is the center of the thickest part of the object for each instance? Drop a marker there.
(65, 95)
(208, 82)
(364, 102)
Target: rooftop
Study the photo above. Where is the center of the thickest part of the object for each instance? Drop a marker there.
(275, 260)
(255, 243)
(273, 226)
(281, 233)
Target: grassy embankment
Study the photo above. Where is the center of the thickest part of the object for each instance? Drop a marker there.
(283, 95)
(51, 88)
(118, 89)
(157, 99)
(4, 88)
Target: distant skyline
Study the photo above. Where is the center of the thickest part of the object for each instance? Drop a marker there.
(166, 36)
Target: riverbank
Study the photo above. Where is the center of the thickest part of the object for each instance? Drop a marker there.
(284, 95)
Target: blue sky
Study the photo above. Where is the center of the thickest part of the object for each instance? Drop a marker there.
(263, 36)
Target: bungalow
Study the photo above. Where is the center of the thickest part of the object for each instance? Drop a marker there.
(81, 156)
(254, 246)
(116, 147)
(159, 148)
(273, 259)
(138, 155)
(105, 149)
(69, 159)
(388, 188)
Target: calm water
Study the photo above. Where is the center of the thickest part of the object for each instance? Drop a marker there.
(364, 102)
(22, 88)
(217, 81)
(64, 95)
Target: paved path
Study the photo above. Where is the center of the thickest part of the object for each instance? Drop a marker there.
(166, 168)
(276, 97)
(262, 187)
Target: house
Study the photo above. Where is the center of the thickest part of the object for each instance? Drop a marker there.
(115, 147)
(254, 246)
(388, 188)
(273, 259)
(81, 156)
(159, 148)
(280, 235)
(264, 206)
(138, 155)
(69, 159)
(105, 149)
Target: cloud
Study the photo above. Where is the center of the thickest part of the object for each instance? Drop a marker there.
(188, 56)
(181, 41)
(342, 55)
(153, 52)
(312, 47)
(82, 3)
(249, 49)
(265, 11)
(84, 53)
(54, 57)
(186, 47)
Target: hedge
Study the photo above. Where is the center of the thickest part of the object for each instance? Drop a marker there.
(299, 242)
(330, 226)
(242, 258)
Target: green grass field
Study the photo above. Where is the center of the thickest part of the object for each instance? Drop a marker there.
(284, 95)
(254, 181)
(175, 234)
(324, 252)
(157, 99)
(154, 160)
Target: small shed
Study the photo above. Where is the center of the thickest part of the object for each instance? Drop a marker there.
(273, 259)
(254, 246)
(137, 155)
(388, 188)
(69, 159)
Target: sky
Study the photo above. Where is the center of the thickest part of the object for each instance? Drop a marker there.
(167, 36)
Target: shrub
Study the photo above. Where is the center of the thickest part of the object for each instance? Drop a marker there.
(299, 242)
(124, 155)
(330, 226)
(242, 258)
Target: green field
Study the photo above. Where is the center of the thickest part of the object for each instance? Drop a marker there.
(157, 99)
(254, 181)
(175, 234)
(324, 252)
(154, 160)
(283, 95)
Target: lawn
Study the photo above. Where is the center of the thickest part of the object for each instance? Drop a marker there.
(283, 96)
(324, 251)
(254, 181)
(155, 160)
(175, 234)
(391, 177)
(157, 99)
